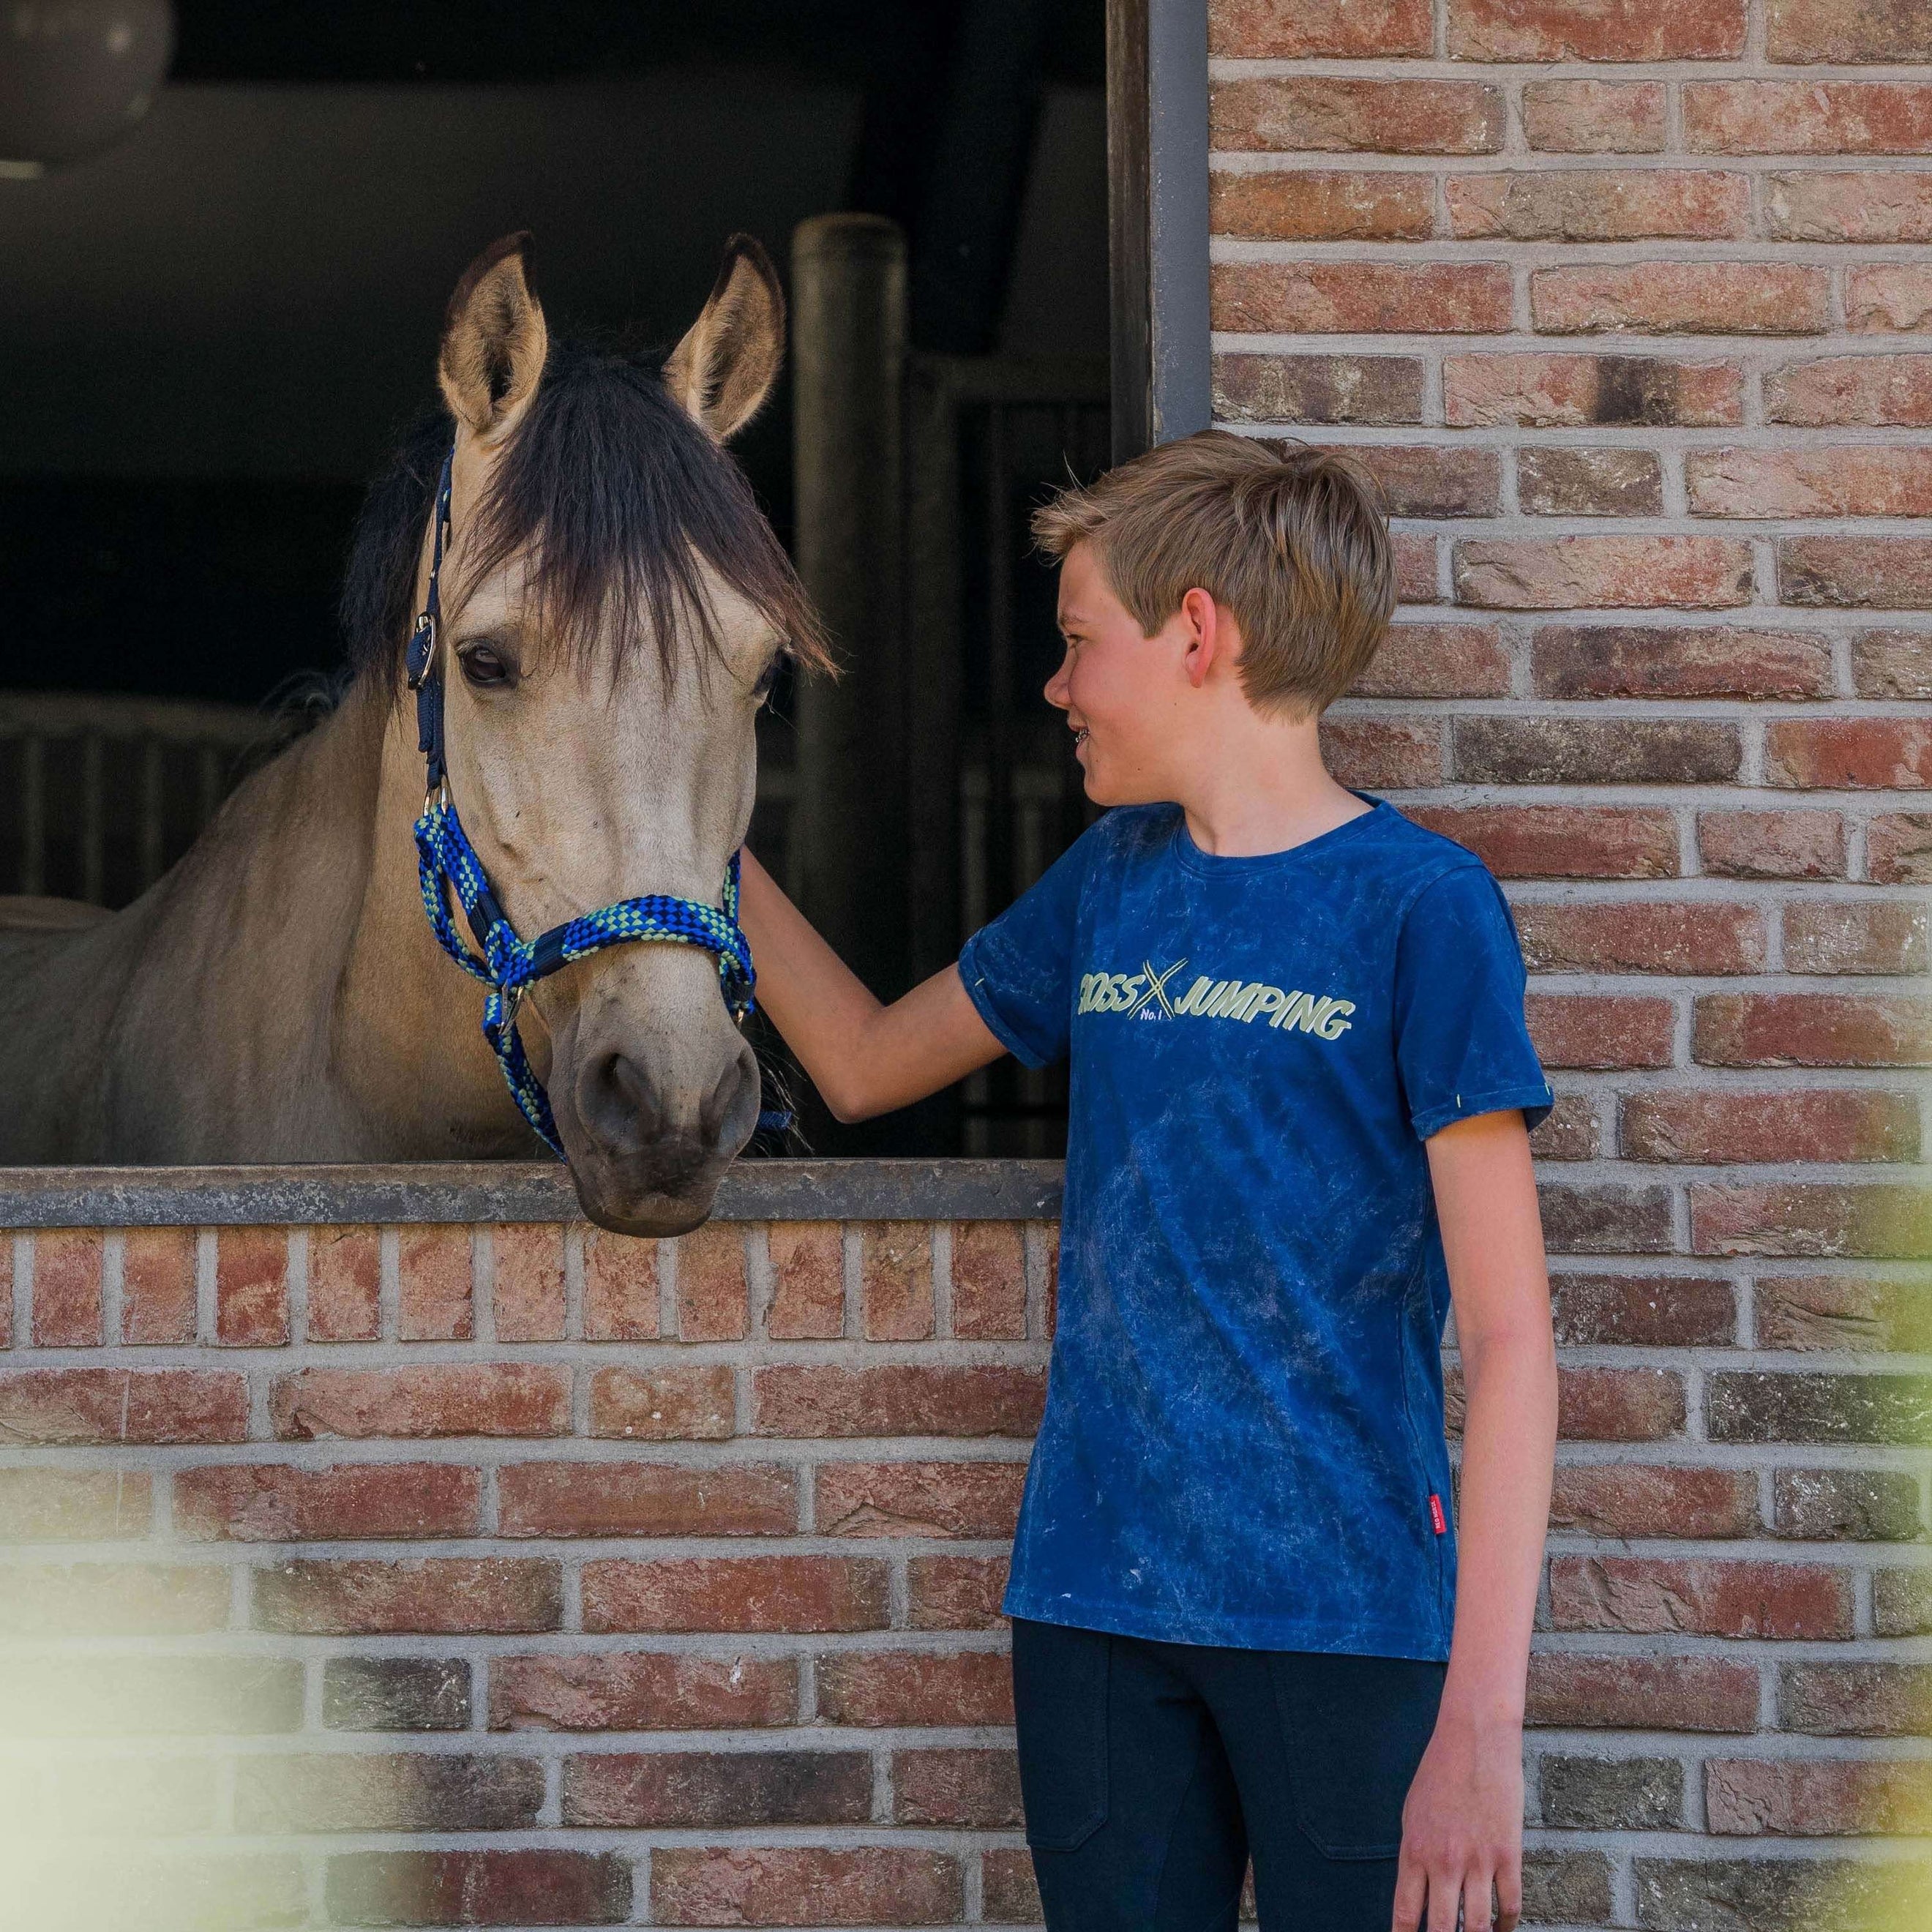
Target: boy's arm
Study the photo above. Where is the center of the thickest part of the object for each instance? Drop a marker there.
(864, 1058)
(1463, 1825)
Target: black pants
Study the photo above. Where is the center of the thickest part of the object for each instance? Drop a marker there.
(1152, 1771)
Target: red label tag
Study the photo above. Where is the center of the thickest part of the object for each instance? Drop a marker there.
(1436, 1518)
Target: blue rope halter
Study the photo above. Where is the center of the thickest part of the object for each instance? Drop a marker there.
(447, 865)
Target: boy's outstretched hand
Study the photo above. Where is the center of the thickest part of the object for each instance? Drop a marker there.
(1462, 1827)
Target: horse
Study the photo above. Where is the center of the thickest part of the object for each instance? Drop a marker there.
(616, 609)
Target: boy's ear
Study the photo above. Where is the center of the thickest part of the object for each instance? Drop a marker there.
(494, 341)
(1208, 637)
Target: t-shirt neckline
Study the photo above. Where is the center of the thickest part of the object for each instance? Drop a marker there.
(1214, 865)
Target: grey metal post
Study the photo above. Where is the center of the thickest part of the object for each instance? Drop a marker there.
(849, 337)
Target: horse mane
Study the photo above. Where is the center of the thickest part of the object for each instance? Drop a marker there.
(616, 496)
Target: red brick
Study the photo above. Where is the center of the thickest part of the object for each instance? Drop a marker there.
(670, 1404)
(989, 1287)
(1600, 1029)
(1853, 481)
(1317, 205)
(1561, 841)
(67, 1270)
(1843, 1313)
(1667, 1311)
(1888, 298)
(1682, 298)
(808, 1281)
(1772, 844)
(924, 1499)
(1749, 1797)
(620, 1287)
(1862, 390)
(1437, 660)
(1678, 661)
(1621, 1500)
(527, 1288)
(1391, 117)
(895, 1687)
(1807, 117)
(528, 1887)
(1428, 479)
(1653, 1595)
(902, 1399)
(251, 1288)
(434, 1264)
(1697, 937)
(1573, 390)
(1372, 389)
(1383, 753)
(73, 1406)
(1619, 1405)
(736, 1593)
(955, 1592)
(1849, 31)
(1599, 205)
(1629, 1692)
(1010, 1894)
(1604, 572)
(1880, 754)
(1892, 664)
(1569, 1131)
(1811, 1030)
(1722, 1125)
(1864, 1700)
(805, 1885)
(1864, 1219)
(1856, 936)
(979, 1790)
(895, 1281)
(1595, 30)
(113, 1600)
(1605, 1218)
(345, 1281)
(158, 1285)
(1362, 297)
(1593, 117)
(713, 1301)
(1325, 29)
(1898, 849)
(632, 1790)
(1521, 750)
(445, 1791)
(641, 1691)
(277, 1502)
(435, 1595)
(645, 1499)
(435, 1398)
(1416, 577)
(1816, 206)
(51, 1505)
(6, 1291)
(1607, 482)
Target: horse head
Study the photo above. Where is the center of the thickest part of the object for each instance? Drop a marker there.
(616, 609)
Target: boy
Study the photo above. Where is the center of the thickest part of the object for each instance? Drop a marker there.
(1301, 1088)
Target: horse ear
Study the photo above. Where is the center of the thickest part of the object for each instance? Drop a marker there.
(727, 364)
(493, 340)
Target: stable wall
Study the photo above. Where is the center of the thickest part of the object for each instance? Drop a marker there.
(1627, 303)
(387, 1547)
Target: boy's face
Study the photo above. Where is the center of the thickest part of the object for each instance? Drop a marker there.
(1117, 687)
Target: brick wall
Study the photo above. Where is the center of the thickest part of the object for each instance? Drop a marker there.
(1622, 300)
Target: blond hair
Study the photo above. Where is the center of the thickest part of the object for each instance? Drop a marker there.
(1293, 540)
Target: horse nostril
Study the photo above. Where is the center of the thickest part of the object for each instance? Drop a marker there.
(618, 1101)
(730, 1102)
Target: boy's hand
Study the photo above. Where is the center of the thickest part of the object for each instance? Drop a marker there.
(1462, 1831)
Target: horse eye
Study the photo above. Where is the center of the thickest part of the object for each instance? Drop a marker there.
(768, 678)
(483, 667)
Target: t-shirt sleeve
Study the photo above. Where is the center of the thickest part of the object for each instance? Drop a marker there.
(1462, 1043)
(1018, 970)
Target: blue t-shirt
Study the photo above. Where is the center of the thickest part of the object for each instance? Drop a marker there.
(1243, 1437)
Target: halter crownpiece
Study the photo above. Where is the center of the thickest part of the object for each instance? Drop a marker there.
(447, 866)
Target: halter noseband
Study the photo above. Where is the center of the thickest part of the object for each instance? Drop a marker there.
(447, 865)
